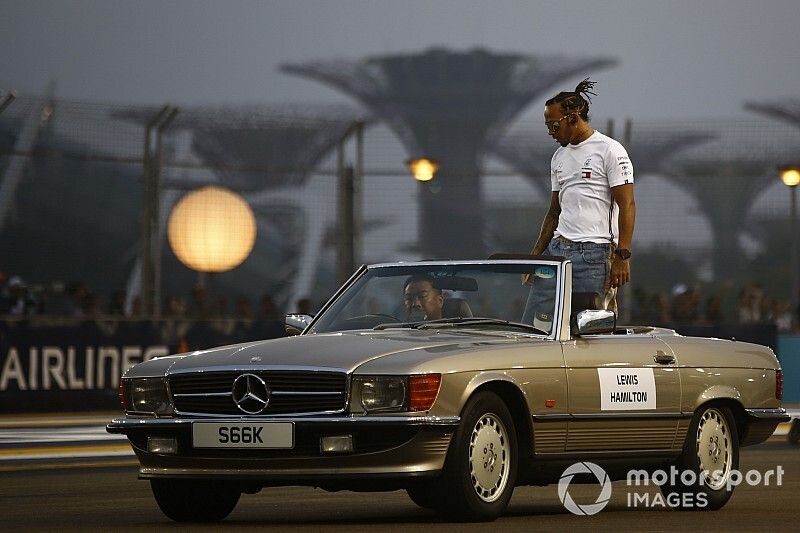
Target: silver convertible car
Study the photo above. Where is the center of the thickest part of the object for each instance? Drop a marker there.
(455, 381)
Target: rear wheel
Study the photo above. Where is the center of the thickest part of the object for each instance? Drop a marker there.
(481, 467)
(793, 437)
(195, 501)
(711, 453)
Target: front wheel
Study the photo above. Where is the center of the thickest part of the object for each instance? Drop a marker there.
(711, 454)
(426, 495)
(194, 501)
(481, 467)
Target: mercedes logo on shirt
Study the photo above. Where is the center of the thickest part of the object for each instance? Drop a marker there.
(250, 394)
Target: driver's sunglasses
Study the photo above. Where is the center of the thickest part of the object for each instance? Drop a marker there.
(412, 296)
(553, 125)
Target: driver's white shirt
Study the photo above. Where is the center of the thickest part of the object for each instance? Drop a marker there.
(583, 175)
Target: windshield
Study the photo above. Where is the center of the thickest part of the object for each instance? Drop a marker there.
(448, 295)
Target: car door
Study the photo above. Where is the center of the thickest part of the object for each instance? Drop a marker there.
(624, 393)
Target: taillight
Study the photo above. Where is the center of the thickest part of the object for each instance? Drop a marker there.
(422, 391)
(123, 393)
(779, 385)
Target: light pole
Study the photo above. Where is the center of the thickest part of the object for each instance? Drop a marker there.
(790, 176)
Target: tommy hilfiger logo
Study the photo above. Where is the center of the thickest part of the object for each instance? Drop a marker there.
(586, 173)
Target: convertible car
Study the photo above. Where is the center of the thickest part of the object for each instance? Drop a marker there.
(455, 381)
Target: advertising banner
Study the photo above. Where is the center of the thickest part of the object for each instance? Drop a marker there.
(75, 365)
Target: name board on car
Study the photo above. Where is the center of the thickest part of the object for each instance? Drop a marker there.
(623, 389)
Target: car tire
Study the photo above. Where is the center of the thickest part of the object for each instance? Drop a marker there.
(426, 495)
(194, 501)
(712, 445)
(793, 437)
(481, 466)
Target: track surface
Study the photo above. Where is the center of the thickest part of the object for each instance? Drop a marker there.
(105, 498)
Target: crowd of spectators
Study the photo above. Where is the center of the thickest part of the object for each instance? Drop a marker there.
(685, 304)
(76, 299)
(199, 320)
(688, 305)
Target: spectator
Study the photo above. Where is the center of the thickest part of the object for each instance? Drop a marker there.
(244, 309)
(174, 307)
(4, 294)
(20, 302)
(304, 306)
(116, 306)
(220, 309)
(782, 316)
(686, 305)
(89, 305)
(76, 291)
(659, 306)
(174, 326)
(641, 306)
(714, 313)
(136, 307)
(270, 320)
(267, 309)
(748, 305)
(199, 308)
(57, 301)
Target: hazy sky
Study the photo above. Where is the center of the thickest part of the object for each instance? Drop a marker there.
(678, 59)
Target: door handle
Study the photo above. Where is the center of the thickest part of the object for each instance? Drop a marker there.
(663, 358)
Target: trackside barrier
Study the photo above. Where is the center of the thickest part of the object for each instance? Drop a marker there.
(75, 365)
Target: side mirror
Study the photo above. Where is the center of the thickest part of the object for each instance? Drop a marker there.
(592, 321)
(295, 324)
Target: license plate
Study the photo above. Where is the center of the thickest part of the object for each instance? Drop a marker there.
(243, 435)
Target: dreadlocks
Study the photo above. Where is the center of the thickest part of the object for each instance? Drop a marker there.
(576, 101)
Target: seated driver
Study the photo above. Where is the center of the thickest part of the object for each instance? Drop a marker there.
(422, 299)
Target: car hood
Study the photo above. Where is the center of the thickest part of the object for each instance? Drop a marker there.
(343, 351)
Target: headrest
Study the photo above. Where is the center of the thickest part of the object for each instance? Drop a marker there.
(456, 307)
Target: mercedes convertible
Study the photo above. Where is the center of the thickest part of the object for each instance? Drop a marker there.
(455, 381)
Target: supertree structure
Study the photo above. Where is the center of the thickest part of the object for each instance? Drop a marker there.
(726, 176)
(449, 106)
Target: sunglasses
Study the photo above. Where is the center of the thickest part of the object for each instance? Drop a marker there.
(413, 296)
(553, 125)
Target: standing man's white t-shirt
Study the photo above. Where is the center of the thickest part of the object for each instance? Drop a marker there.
(583, 175)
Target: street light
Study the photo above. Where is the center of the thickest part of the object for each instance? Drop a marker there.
(212, 230)
(423, 168)
(790, 176)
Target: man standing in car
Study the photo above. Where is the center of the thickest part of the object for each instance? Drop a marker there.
(592, 209)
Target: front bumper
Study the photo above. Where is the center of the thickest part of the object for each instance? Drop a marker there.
(384, 447)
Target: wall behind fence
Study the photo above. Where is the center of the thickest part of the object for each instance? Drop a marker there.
(70, 365)
(75, 365)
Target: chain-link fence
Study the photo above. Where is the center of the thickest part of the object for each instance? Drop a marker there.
(712, 213)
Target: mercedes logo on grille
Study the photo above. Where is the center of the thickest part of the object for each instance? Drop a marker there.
(250, 394)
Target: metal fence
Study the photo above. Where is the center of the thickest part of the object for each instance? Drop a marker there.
(712, 212)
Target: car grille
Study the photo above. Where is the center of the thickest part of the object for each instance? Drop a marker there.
(290, 392)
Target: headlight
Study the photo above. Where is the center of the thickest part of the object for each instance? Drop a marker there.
(147, 395)
(379, 393)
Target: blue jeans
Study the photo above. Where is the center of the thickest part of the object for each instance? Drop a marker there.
(591, 271)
